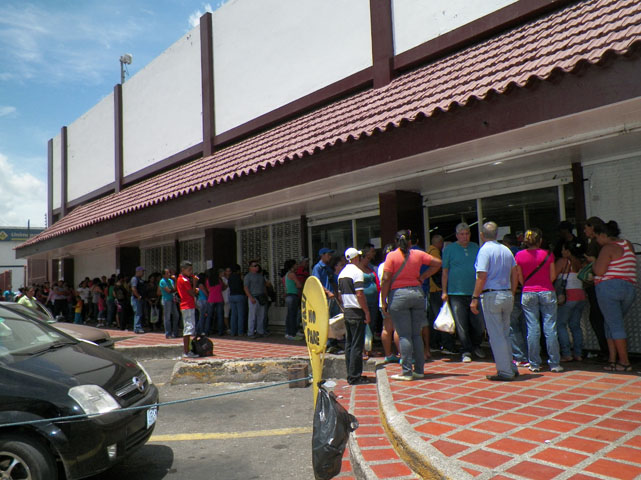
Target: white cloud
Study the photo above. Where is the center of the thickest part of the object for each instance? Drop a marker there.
(194, 18)
(6, 110)
(24, 197)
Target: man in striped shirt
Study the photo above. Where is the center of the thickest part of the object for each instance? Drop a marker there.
(350, 287)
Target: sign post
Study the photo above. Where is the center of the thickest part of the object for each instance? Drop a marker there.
(315, 319)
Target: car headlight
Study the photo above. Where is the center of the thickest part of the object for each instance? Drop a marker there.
(145, 372)
(93, 399)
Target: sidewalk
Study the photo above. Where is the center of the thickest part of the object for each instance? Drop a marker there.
(581, 424)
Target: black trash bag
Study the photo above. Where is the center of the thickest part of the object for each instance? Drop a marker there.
(332, 426)
(202, 346)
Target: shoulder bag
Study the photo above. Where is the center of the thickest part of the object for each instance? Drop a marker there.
(537, 268)
(560, 285)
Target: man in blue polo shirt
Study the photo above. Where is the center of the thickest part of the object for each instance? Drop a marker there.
(496, 281)
(458, 284)
(323, 272)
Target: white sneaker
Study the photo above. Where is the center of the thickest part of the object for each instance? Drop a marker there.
(466, 358)
(190, 355)
(404, 378)
(557, 369)
(289, 337)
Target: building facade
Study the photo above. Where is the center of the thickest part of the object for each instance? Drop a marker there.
(279, 126)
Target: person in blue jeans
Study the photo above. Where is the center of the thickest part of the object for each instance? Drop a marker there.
(496, 280)
(536, 273)
(137, 300)
(237, 302)
(402, 296)
(457, 281)
(167, 287)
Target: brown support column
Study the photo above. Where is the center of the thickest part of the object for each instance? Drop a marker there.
(127, 259)
(63, 171)
(54, 271)
(49, 183)
(304, 237)
(579, 193)
(118, 157)
(220, 246)
(399, 210)
(67, 271)
(207, 81)
(382, 41)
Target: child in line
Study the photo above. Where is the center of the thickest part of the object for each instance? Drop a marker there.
(78, 311)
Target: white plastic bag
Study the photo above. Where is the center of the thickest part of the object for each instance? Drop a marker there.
(337, 326)
(445, 320)
(368, 339)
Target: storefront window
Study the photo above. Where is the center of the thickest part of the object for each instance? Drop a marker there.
(337, 236)
(368, 230)
(516, 212)
(444, 219)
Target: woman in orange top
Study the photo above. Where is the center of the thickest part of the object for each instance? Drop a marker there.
(402, 295)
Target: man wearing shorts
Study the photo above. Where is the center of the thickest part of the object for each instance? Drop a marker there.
(187, 293)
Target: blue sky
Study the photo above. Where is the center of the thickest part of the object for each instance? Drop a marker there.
(58, 58)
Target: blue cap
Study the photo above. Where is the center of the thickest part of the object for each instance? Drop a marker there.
(325, 250)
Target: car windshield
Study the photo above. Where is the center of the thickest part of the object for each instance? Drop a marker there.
(20, 337)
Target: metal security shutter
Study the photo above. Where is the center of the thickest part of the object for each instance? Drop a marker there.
(286, 244)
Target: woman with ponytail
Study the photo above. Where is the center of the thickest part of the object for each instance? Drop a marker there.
(615, 280)
(536, 273)
(403, 297)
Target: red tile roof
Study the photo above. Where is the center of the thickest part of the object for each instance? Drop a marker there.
(583, 32)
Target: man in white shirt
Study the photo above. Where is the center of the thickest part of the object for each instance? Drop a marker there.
(350, 286)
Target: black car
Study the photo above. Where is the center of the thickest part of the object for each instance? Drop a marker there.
(45, 375)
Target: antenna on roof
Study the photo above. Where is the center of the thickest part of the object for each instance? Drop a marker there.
(125, 59)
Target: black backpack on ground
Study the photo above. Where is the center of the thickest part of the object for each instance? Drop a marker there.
(202, 346)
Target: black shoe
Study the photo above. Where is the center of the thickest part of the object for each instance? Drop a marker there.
(500, 378)
(363, 381)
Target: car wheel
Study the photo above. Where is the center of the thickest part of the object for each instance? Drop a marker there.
(24, 459)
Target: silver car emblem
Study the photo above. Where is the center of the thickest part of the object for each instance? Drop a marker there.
(138, 383)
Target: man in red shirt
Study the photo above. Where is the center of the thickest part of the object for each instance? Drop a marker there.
(187, 292)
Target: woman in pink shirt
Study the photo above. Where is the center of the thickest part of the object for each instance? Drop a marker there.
(536, 274)
(215, 302)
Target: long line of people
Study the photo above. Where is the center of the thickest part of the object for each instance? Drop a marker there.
(550, 294)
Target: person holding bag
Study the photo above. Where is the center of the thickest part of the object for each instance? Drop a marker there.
(570, 307)
(536, 274)
(402, 295)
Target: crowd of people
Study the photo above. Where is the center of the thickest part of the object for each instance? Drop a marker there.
(529, 291)
(517, 291)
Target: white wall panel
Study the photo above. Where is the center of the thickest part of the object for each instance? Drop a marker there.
(162, 105)
(417, 21)
(91, 150)
(268, 53)
(94, 264)
(56, 165)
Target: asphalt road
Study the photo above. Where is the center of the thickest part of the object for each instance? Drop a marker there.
(262, 434)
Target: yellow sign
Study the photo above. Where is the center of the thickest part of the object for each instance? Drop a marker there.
(315, 317)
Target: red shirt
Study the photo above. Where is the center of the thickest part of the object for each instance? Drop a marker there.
(187, 300)
(409, 276)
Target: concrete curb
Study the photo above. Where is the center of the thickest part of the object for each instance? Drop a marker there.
(426, 461)
(360, 466)
(146, 352)
(220, 370)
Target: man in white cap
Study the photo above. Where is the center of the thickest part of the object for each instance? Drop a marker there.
(350, 286)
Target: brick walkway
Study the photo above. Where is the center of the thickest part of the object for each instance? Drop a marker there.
(580, 424)
(224, 347)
